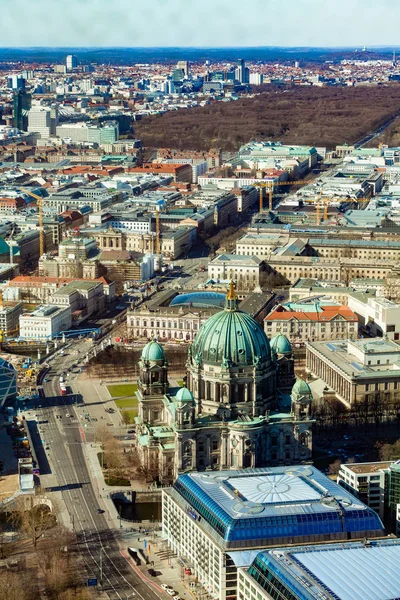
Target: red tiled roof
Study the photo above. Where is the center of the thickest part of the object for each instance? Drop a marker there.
(328, 314)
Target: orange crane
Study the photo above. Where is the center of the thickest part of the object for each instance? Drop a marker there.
(39, 201)
(271, 184)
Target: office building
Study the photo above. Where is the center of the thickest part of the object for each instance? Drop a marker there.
(379, 316)
(9, 319)
(350, 571)
(44, 322)
(242, 73)
(21, 108)
(245, 270)
(368, 482)
(256, 78)
(218, 521)
(356, 369)
(314, 319)
(41, 120)
(16, 82)
(184, 66)
(8, 382)
(71, 62)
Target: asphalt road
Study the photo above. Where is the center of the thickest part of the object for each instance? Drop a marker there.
(66, 459)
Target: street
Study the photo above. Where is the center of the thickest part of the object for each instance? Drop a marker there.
(65, 458)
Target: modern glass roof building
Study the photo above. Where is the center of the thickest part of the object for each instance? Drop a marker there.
(352, 571)
(200, 300)
(8, 381)
(218, 521)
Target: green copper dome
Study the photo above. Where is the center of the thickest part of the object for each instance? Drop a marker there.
(231, 337)
(301, 388)
(280, 344)
(153, 351)
(184, 395)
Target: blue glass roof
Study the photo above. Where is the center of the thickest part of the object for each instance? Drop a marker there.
(200, 300)
(279, 502)
(351, 571)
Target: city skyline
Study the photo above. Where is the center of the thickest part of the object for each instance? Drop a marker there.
(216, 24)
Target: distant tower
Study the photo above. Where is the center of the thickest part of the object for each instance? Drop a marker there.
(242, 73)
(71, 62)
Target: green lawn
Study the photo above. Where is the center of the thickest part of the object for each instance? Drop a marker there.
(126, 402)
(131, 413)
(122, 389)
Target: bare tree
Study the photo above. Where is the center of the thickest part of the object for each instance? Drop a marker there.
(334, 467)
(17, 586)
(126, 417)
(33, 517)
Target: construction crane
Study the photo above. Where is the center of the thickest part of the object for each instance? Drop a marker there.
(325, 203)
(271, 184)
(39, 201)
(158, 240)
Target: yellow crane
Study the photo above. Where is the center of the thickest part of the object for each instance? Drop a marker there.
(39, 201)
(158, 240)
(271, 184)
(325, 202)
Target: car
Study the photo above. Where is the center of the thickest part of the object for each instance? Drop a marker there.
(188, 571)
(110, 424)
(172, 592)
(67, 415)
(166, 587)
(46, 380)
(130, 431)
(101, 511)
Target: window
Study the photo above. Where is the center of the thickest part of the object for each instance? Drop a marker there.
(288, 440)
(274, 440)
(215, 445)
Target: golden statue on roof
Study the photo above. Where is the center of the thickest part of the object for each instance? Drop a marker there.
(231, 295)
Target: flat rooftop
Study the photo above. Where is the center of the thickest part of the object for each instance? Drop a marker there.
(350, 571)
(371, 467)
(337, 352)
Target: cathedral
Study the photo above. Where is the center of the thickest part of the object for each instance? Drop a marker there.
(241, 405)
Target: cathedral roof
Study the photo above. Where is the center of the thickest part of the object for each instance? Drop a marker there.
(301, 388)
(231, 337)
(280, 344)
(153, 351)
(184, 395)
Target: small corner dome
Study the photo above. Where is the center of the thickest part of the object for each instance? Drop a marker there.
(153, 351)
(280, 344)
(301, 388)
(184, 395)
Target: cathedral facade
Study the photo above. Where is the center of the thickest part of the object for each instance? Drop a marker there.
(241, 405)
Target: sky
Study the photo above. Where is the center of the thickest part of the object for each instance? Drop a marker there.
(207, 23)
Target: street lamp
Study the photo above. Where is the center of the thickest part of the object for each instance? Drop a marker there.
(102, 549)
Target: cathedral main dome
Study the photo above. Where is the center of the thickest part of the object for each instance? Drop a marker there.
(231, 337)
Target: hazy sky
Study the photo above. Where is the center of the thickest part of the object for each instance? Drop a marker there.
(199, 22)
